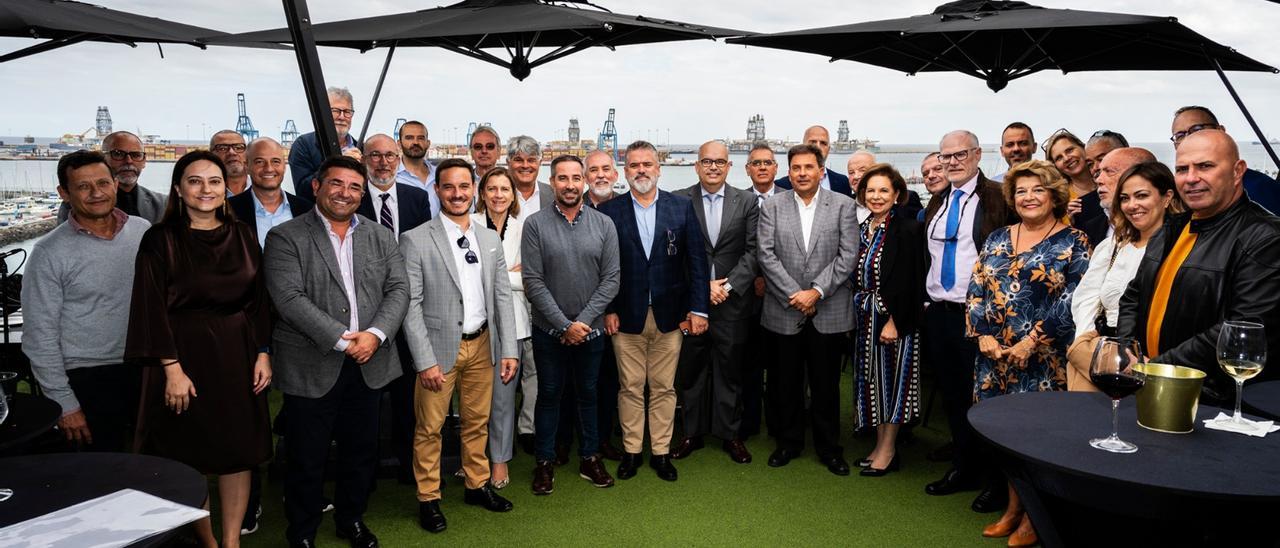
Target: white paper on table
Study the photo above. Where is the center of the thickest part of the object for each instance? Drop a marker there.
(1251, 428)
(118, 519)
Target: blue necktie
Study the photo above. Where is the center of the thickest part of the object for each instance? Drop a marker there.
(949, 248)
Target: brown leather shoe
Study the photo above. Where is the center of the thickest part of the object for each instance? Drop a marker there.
(686, 447)
(1004, 527)
(544, 478)
(1025, 535)
(592, 470)
(737, 451)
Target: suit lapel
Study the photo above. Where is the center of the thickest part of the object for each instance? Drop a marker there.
(441, 239)
(320, 237)
(660, 224)
(700, 211)
(729, 203)
(820, 211)
(793, 207)
(629, 224)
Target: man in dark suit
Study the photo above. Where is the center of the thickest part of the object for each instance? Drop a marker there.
(306, 154)
(341, 290)
(957, 224)
(808, 245)
(762, 349)
(711, 367)
(819, 137)
(260, 207)
(664, 283)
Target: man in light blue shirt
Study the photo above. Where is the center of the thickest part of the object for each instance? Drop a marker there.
(266, 205)
(415, 170)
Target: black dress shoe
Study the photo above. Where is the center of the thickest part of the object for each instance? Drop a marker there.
(686, 447)
(526, 442)
(781, 457)
(946, 453)
(627, 468)
(990, 500)
(486, 498)
(737, 451)
(662, 465)
(952, 482)
(544, 478)
(836, 465)
(430, 517)
(359, 535)
(877, 472)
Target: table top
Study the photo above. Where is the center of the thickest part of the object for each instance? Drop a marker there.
(1054, 428)
(1264, 398)
(29, 416)
(45, 483)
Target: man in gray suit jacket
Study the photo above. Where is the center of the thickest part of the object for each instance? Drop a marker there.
(460, 318)
(808, 247)
(711, 365)
(338, 282)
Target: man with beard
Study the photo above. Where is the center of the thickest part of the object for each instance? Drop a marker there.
(601, 177)
(664, 281)
(819, 137)
(229, 146)
(126, 160)
(524, 159)
(1017, 144)
(415, 169)
(484, 149)
(306, 153)
(570, 273)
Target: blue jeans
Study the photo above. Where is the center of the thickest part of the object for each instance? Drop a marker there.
(556, 363)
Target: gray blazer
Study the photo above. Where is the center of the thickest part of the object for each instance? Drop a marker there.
(788, 267)
(151, 206)
(306, 287)
(734, 254)
(433, 325)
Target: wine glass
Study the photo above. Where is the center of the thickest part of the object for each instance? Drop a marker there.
(1112, 371)
(1242, 350)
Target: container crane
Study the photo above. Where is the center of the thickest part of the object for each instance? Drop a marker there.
(244, 126)
(399, 122)
(289, 134)
(608, 139)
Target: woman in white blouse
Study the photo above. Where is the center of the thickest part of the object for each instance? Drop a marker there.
(498, 209)
(1143, 196)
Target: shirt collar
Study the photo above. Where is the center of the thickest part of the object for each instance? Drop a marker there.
(454, 227)
(636, 203)
(576, 219)
(772, 189)
(970, 186)
(355, 220)
(376, 193)
(719, 193)
(812, 203)
(259, 209)
(120, 216)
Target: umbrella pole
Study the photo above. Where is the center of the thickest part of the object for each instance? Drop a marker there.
(1232, 90)
(376, 92)
(304, 45)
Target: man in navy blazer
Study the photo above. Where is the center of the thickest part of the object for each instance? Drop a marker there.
(819, 136)
(306, 154)
(260, 206)
(665, 281)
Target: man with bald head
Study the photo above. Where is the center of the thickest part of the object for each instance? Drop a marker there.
(126, 160)
(1109, 169)
(818, 136)
(859, 163)
(1221, 259)
(710, 372)
(261, 207)
(1257, 185)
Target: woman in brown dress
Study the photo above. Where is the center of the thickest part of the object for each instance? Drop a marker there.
(200, 323)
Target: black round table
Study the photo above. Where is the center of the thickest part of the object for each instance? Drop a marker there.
(1195, 488)
(45, 483)
(29, 416)
(1263, 398)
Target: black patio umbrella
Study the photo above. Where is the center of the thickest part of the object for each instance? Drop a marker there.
(502, 32)
(1000, 41)
(64, 22)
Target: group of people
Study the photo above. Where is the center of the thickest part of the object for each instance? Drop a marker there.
(708, 312)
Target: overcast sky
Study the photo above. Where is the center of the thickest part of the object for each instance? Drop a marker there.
(693, 90)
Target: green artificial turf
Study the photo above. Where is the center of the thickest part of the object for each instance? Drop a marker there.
(716, 502)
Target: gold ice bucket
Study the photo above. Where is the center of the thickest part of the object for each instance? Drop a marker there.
(1168, 400)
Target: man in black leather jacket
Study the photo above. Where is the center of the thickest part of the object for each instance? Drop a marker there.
(1231, 273)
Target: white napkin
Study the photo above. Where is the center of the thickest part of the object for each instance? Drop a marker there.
(1251, 428)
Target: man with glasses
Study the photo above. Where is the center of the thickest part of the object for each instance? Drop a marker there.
(484, 149)
(126, 160)
(957, 224)
(460, 321)
(524, 159)
(711, 366)
(230, 147)
(306, 153)
(415, 169)
(762, 169)
(1017, 144)
(820, 138)
(1258, 187)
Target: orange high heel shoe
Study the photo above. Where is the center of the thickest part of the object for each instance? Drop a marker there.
(1006, 526)
(1025, 535)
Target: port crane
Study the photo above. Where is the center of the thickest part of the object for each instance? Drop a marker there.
(244, 126)
(289, 134)
(399, 122)
(609, 137)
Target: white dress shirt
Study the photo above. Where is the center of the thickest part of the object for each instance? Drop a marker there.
(470, 276)
(966, 251)
(806, 215)
(344, 248)
(862, 211)
(1104, 283)
(375, 194)
(532, 205)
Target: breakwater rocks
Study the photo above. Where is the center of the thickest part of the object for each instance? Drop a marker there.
(29, 231)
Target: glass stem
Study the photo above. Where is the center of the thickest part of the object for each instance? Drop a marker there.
(1239, 392)
(1115, 419)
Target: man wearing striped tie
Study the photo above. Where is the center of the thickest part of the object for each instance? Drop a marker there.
(400, 207)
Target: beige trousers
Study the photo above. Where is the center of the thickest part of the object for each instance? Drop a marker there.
(472, 374)
(648, 358)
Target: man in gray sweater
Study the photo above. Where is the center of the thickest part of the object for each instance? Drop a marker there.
(570, 272)
(75, 298)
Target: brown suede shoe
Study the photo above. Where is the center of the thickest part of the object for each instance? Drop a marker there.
(592, 470)
(544, 478)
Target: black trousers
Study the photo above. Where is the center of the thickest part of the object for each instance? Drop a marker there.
(951, 354)
(818, 355)
(761, 358)
(709, 379)
(347, 414)
(607, 394)
(108, 396)
(403, 418)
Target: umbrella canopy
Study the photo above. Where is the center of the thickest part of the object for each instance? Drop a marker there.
(1000, 41)
(514, 26)
(64, 22)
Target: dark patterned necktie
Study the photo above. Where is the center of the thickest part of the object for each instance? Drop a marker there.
(385, 215)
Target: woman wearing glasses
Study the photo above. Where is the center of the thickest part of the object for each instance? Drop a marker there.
(1019, 304)
(1066, 151)
(888, 282)
(1144, 195)
(499, 210)
(200, 319)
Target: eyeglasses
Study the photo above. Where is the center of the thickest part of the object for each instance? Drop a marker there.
(1179, 136)
(343, 112)
(708, 162)
(1108, 133)
(959, 155)
(483, 146)
(383, 156)
(949, 235)
(762, 163)
(1053, 137)
(470, 257)
(135, 155)
(224, 147)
